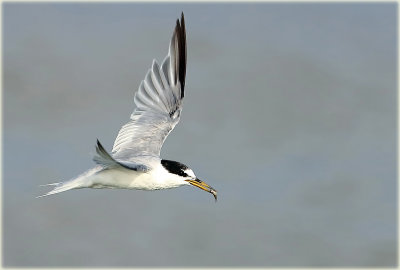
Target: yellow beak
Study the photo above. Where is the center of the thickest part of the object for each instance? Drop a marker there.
(204, 186)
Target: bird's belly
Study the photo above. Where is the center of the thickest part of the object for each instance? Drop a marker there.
(126, 179)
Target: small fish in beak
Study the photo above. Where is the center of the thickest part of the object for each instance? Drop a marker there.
(204, 186)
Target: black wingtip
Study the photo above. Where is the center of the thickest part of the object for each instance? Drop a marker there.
(180, 31)
(98, 145)
(100, 148)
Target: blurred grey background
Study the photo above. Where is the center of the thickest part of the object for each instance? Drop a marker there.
(290, 113)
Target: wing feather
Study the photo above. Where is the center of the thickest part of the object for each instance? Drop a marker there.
(159, 84)
(158, 103)
(153, 96)
(145, 99)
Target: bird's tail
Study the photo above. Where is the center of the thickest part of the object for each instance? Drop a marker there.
(60, 187)
(81, 181)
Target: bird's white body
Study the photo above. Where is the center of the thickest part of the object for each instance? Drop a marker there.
(135, 162)
(120, 177)
(157, 178)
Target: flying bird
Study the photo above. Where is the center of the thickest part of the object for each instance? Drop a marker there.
(134, 162)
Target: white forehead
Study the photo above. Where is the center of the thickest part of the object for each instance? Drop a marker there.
(190, 172)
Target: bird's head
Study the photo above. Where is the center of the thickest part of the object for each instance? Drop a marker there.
(187, 175)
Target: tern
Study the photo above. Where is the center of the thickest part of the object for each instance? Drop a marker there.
(134, 162)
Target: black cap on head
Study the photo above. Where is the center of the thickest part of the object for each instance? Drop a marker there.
(175, 167)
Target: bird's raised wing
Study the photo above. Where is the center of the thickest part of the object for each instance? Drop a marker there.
(158, 103)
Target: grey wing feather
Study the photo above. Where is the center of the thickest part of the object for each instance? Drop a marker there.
(158, 103)
(104, 159)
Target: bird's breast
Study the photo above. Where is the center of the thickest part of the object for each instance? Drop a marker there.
(130, 179)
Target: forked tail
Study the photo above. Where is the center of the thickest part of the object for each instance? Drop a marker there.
(81, 181)
(60, 187)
